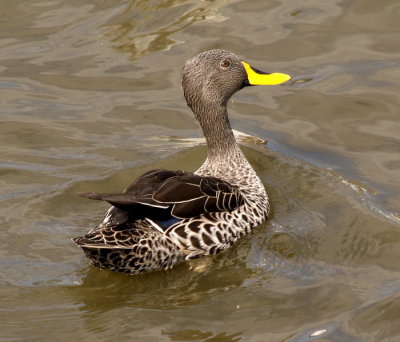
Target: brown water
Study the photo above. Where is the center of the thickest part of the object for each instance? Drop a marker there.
(90, 98)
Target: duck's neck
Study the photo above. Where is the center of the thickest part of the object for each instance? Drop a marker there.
(221, 142)
(225, 159)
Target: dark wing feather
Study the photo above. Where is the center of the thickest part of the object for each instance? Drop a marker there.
(159, 194)
(179, 189)
(189, 209)
(153, 177)
(209, 186)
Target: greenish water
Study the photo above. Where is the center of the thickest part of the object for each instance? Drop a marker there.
(90, 99)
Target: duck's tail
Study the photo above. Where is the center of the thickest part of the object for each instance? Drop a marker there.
(129, 250)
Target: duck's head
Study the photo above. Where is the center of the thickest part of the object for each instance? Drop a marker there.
(212, 77)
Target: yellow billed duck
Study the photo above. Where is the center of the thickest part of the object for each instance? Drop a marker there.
(165, 217)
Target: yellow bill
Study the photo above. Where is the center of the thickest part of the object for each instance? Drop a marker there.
(256, 77)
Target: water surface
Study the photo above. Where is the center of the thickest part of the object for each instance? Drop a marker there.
(90, 99)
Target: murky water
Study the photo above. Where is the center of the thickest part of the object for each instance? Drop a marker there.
(90, 98)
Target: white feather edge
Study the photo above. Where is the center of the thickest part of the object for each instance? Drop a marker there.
(155, 225)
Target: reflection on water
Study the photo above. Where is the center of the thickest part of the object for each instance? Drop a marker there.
(90, 99)
(198, 335)
(152, 24)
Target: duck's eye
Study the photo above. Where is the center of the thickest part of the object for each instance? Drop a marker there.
(225, 63)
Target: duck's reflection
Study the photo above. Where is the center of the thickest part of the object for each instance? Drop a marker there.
(187, 284)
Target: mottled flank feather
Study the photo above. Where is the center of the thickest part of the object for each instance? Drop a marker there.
(165, 217)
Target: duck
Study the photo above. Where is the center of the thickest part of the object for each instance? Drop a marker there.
(167, 217)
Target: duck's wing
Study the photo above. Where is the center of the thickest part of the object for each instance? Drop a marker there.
(192, 195)
(161, 194)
